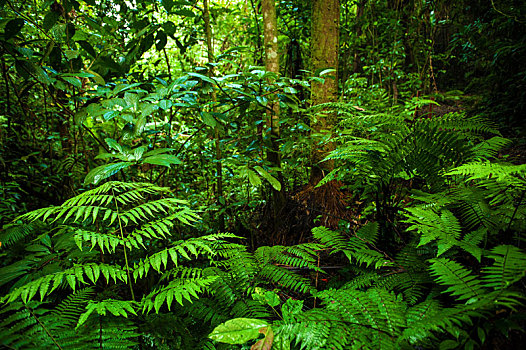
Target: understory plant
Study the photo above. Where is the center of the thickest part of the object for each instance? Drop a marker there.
(439, 264)
(435, 263)
(111, 268)
(100, 256)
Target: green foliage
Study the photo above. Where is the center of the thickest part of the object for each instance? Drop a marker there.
(109, 116)
(32, 325)
(238, 331)
(206, 276)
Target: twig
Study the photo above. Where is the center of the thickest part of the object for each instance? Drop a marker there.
(43, 327)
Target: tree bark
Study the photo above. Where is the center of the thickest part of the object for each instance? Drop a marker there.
(270, 35)
(357, 64)
(324, 48)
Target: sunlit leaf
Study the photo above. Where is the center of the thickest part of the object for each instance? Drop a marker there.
(238, 330)
(162, 159)
(272, 180)
(104, 171)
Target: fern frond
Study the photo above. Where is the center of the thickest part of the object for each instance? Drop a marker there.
(72, 276)
(14, 233)
(194, 246)
(508, 268)
(298, 256)
(490, 148)
(70, 309)
(441, 226)
(470, 242)
(284, 278)
(376, 308)
(330, 238)
(509, 174)
(110, 332)
(209, 311)
(309, 330)
(179, 290)
(103, 240)
(357, 247)
(463, 123)
(108, 306)
(461, 282)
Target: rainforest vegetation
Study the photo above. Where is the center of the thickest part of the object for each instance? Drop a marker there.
(262, 174)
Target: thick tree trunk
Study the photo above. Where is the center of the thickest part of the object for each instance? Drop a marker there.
(327, 200)
(325, 48)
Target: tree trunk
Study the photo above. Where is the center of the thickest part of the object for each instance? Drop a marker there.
(270, 32)
(219, 165)
(357, 64)
(327, 200)
(324, 48)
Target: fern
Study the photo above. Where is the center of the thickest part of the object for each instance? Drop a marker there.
(32, 325)
(509, 267)
(441, 226)
(184, 249)
(179, 290)
(359, 247)
(70, 309)
(14, 233)
(114, 218)
(108, 306)
(461, 282)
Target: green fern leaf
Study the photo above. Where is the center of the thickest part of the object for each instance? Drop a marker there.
(460, 280)
(509, 267)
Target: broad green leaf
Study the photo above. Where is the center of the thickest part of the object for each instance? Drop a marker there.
(272, 180)
(105, 156)
(42, 76)
(266, 297)
(104, 171)
(162, 159)
(138, 152)
(160, 40)
(261, 100)
(123, 87)
(168, 4)
(184, 12)
(113, 144)
(71, 54)
(88, 48)
(97, 77)
(327, 71)
(24, 68)
(448, 344)
(209, 119)
(238, 330)
(202, 77)
(253, 178)
(169, 28)
(165, 104)
(73, 81)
